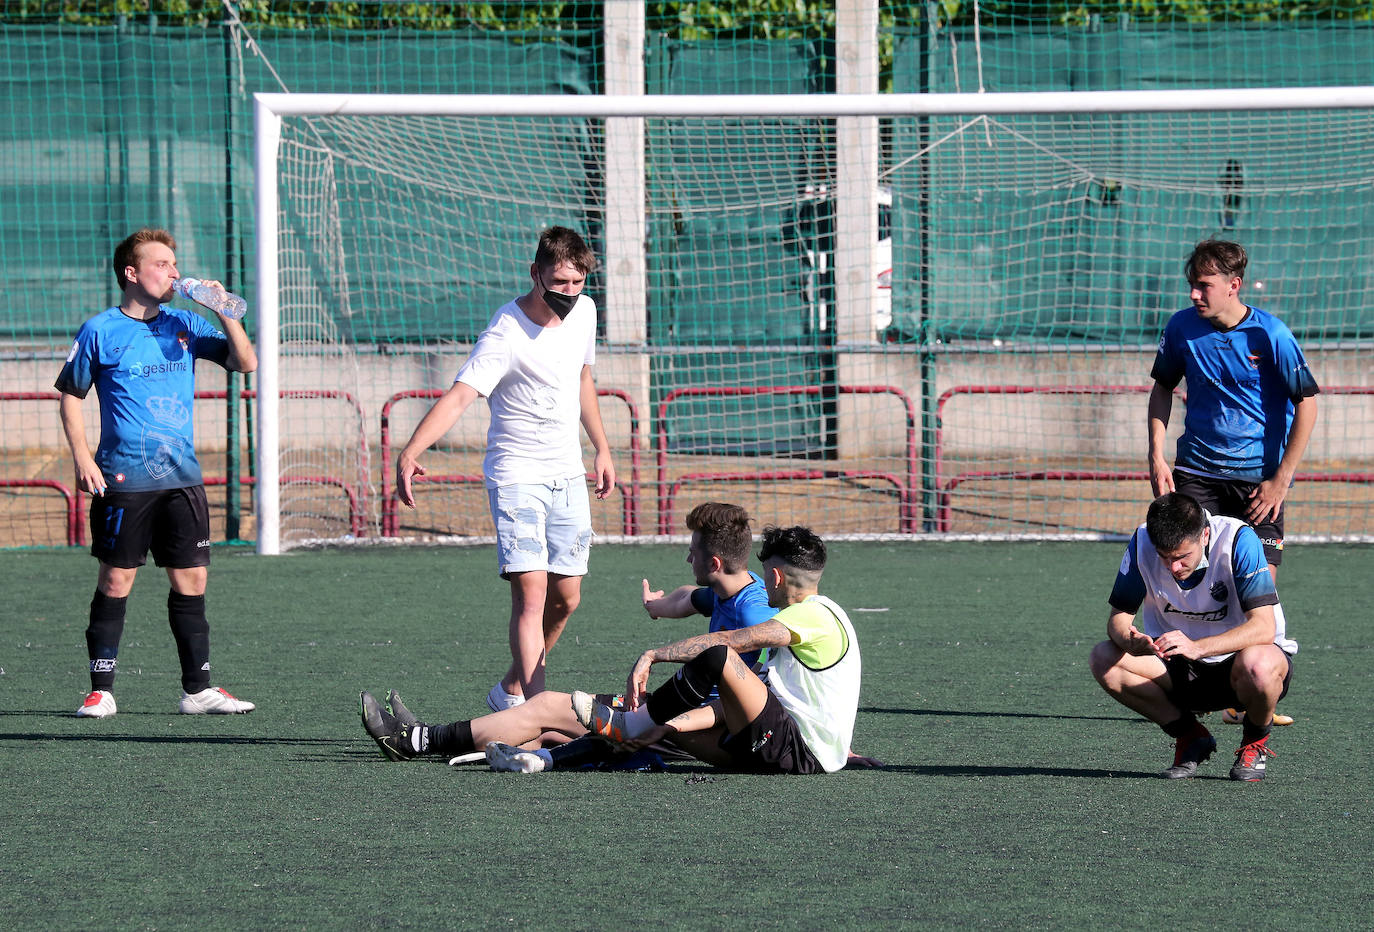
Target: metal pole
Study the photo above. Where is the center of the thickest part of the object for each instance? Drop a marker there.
(924, 329)
(233, 489)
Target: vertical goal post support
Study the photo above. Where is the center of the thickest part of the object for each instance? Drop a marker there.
(271, 108)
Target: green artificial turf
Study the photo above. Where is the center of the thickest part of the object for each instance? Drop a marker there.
(1015, 793)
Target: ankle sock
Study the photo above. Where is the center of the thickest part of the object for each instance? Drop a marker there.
(1250, 732)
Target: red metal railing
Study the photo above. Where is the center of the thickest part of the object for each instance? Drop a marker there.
(356, 499)
(629, 493)
(76, 528)
(946, 486)
(75, 498)
(905, 485)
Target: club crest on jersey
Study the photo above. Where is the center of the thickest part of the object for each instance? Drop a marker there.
(1254, 361)
(162, 453)
(1219, 591)
(184, 339)
(169, 410)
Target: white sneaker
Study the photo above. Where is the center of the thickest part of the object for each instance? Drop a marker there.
(99, 704)
(498, 700)
(513, 760)
(599, 718)
(213, 701)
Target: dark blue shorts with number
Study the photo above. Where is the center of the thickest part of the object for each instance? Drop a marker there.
(174, 524)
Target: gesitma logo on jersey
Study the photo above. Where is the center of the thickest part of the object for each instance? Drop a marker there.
(145, 370)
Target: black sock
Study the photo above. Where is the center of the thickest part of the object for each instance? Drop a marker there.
(451, 739)
(1250, 732)
(186, 615)
(102, 638)
(1183, 726)
(690, 686)
(581, 752)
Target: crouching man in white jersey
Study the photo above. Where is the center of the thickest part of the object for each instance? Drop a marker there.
(1213, 633)
(800, 721)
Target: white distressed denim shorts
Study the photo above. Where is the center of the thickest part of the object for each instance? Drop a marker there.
(542, 527)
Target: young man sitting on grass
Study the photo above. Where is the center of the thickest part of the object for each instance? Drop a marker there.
(800, 720)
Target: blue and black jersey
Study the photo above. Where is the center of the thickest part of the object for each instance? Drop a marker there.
(1242, 384)
(144, 375)
(744, 609)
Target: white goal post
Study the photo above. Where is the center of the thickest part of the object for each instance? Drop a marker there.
(855, 179)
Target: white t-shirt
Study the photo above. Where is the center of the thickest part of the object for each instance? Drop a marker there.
(531, 377)
(817, 679)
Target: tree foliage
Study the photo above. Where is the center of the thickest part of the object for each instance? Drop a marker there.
(680, 19)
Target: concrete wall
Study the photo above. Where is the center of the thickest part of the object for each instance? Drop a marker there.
(1106, 426)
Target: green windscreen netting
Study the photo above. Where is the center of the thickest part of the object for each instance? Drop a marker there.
(1019, 267)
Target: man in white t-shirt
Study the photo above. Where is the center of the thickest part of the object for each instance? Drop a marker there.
(533, 364)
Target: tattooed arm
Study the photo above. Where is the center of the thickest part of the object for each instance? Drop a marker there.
(740, 640)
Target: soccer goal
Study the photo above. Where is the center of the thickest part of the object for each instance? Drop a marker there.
(889, 315)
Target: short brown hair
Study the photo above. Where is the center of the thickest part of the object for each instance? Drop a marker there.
(1173, 519)
(724, 531)
(1216, 257)
(558, 245)
(126, 253)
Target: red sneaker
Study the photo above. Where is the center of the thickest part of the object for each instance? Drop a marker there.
(1251, 760)
(1190, 751)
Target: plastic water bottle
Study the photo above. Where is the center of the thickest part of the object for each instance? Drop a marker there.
(216, 299)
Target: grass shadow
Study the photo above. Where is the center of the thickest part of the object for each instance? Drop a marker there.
(961, 713)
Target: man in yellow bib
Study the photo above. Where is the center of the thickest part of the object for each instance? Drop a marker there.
(796, 716)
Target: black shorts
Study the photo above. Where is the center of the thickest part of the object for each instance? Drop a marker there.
(1231, 497)
(1206, 687)
(173, 523)
(771, 743)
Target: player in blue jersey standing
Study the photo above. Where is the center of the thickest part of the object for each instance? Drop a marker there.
(144, 479)
(1212, 634)
(1251, 402)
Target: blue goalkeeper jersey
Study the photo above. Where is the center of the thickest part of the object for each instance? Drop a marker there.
(1242, 384)
(144, 376)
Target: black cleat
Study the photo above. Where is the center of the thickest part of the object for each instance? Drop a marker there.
(1252, 760)
(398, 709)
(1188, 753)
(391, 735)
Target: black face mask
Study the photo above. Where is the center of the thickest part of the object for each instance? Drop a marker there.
(558, 302)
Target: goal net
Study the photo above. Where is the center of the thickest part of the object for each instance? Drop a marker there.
(889, 315)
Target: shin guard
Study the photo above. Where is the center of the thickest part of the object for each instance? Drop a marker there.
(690, 686)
